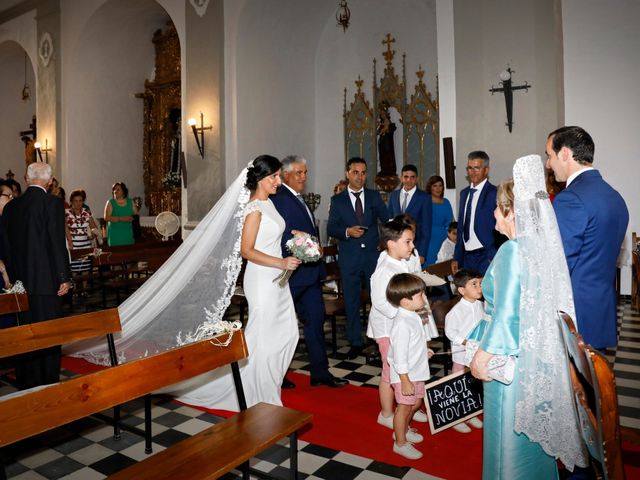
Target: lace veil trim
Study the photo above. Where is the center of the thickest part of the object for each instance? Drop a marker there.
(545, 408)
(186, 298)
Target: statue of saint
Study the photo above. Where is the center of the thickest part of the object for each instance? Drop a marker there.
(386, 152)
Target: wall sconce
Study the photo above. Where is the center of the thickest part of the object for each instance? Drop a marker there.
(199, 139)
(46, 150)
(507, 88)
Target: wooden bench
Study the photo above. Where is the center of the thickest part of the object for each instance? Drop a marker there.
(210, 454)
(594, 387)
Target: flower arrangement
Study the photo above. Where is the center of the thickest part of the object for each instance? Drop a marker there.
(305, 248)
(171, 179)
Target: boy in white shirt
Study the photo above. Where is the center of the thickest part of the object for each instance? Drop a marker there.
(396, 241)
(448, 247)
(408, 357)
(459, 323)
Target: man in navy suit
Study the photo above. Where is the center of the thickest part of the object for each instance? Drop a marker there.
(593, 220)
(411, 200)
(478, 240)
(353, 220)
(305, 283)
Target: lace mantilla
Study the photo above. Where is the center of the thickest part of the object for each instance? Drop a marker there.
(545, 408)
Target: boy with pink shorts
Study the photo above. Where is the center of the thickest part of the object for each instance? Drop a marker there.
(408, 358)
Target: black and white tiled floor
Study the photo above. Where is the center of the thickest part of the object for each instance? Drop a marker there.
(86, 450)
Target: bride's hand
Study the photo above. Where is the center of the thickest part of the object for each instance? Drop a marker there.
(290, 263)
(479, 363)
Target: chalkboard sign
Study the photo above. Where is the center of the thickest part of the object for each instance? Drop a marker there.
(453, 399)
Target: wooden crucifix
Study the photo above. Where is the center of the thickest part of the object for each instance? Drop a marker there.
(507, 88)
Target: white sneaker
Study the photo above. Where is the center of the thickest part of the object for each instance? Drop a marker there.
(461, 427)
(475, 422)
(407, 451)
(421, 417)
(385, 421)
(412, 436)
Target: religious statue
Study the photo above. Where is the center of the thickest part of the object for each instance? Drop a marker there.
(385, 130)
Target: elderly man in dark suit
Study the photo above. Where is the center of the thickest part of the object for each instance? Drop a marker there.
(305, 283)
(37, 255)
(593, 219)
(353, 220)
(478, 240)
(411, 200)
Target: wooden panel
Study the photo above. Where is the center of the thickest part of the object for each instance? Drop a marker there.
(13, 303)
(218, 449)
(38, 411)
(442, 269)
(61, 331)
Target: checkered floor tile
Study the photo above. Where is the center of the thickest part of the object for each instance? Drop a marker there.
(86, 450)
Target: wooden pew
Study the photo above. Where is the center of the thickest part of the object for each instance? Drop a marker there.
(594, 386)
(234, 440)
(13, 303)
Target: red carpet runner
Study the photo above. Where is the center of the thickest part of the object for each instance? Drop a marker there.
(345, 420)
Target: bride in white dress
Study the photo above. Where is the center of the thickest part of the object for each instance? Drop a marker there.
(272, 328)
(186, 299)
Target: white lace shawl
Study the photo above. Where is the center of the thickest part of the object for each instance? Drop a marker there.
(545, 408)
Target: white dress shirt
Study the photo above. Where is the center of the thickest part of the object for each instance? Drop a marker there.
(382, 313)
(474, 243)
(408, 350)
(408, 194)
(447, 249)
(352, 197)
(458, 324)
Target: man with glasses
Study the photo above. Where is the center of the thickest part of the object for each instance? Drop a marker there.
(477, 236)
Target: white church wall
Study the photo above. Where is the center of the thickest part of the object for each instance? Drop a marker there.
(490, 35)
(17, 36)
(287, 64)
(601, 71)
(107, 56)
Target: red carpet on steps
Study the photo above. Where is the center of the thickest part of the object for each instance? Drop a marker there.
(345, 420)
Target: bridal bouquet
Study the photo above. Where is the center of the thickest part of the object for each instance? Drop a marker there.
(305, 248)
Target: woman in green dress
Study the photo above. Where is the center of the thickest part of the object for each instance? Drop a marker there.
(118, 213)
(532, 421)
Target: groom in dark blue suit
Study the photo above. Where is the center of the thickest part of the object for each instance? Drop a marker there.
(411, 200)
(593, 219)
(353, 220)
(305, 283)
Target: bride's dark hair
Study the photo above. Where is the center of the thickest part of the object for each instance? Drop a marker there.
(262, 167)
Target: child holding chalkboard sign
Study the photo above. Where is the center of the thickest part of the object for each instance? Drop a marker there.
(459, 323)
(396, 241)
(408, 358)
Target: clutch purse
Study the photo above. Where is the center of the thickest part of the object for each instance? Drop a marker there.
(501, 367)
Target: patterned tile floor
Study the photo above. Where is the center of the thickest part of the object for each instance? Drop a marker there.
(85, 450)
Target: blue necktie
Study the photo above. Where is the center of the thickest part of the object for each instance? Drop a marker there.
(467, 214)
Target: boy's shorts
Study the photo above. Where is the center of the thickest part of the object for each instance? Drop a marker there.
(383, 346)
(418, 388)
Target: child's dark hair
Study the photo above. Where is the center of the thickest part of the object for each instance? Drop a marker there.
(462, 277)
(408, 219)
(404, 285)
(262, 167)
(392, 230)
(452, 226)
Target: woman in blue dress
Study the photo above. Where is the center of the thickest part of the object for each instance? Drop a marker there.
(532, 421)
(442, 216)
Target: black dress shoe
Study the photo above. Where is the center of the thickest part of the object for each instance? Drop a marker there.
(330, 381)
(354, 352)
(286, 383)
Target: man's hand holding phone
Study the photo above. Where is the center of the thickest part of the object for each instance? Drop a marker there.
(357, 231)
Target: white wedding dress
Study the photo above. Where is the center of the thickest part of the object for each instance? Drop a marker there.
(271, 331)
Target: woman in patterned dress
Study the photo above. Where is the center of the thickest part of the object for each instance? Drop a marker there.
(79, 227)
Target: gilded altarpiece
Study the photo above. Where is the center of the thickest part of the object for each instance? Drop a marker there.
(418, 116)
(162, 143)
